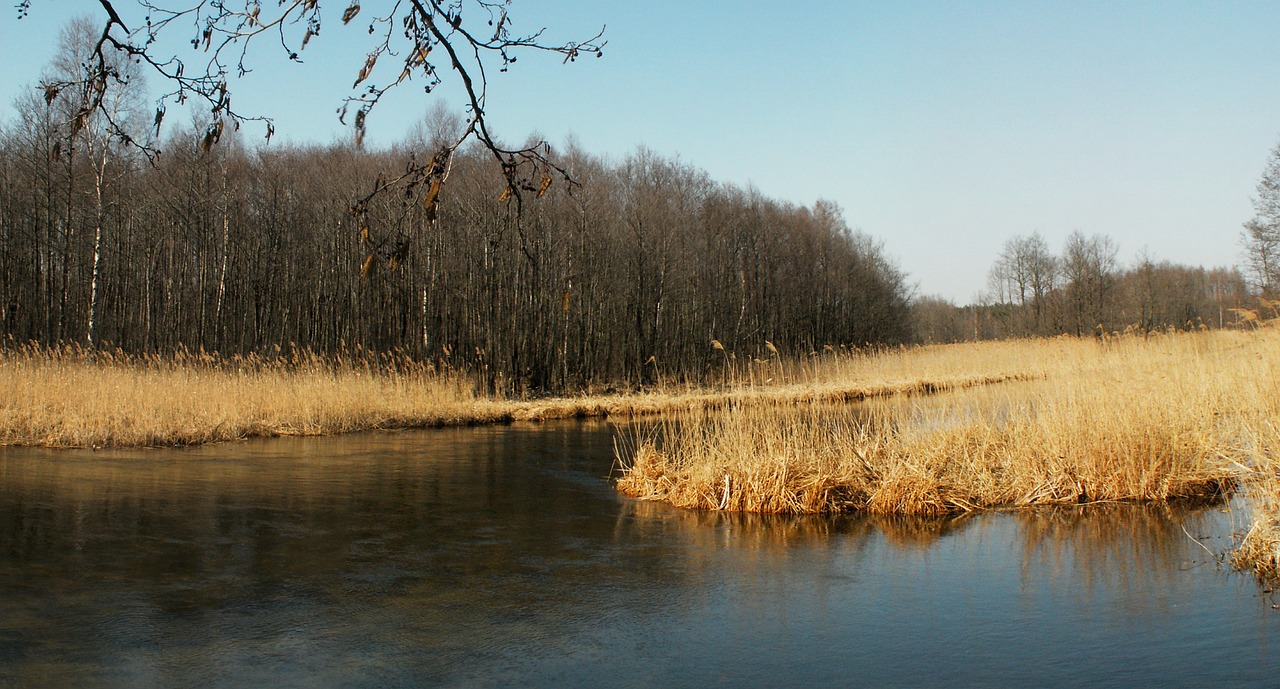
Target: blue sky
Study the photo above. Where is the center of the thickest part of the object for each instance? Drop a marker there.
(941, 128)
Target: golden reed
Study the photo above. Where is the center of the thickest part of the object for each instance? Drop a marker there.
(1139, 417)
(71, 397)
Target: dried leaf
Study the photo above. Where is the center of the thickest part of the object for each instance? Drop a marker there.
(433, 195)
(368, 266)
(506, 194)
(351, 13)
(367, 69)
(360, 115)
(546, 184)
(364, 233)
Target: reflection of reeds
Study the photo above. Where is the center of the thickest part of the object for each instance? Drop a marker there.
(753, 530)
(1107, 541)
(1137, 419)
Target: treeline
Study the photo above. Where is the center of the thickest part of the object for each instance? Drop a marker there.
(1084, 290)
(640, 268)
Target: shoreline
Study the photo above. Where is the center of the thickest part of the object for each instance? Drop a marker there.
(1117, 419)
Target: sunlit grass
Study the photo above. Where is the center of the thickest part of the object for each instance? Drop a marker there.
(1122, 418)
(70, 397)
(1128, 418)
(1260, 549)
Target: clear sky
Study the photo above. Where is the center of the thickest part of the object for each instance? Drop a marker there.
(942, 128)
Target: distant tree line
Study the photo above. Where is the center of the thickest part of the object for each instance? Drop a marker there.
(1084, 290)
(639, 268)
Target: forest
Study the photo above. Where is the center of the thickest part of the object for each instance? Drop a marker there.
(619, 272)
(613, 273)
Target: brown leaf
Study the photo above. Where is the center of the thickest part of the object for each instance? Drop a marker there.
(360, 115)
(368, 266)
(432, 197)
(366, 70)
(351, 13)
(546, 184)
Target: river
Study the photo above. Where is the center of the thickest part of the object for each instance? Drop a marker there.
(501, 556)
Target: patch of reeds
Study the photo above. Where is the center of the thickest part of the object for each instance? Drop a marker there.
(73, 397)
(1260, 548)
(1136, 418)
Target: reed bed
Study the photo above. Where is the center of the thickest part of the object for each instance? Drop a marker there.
(69, 397)
(1129, 418)
(1260, 548)
(72, 397)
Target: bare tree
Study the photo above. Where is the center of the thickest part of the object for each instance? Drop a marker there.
(118, 110)
(1261, 238)
(1090, 268)
(1025, 274)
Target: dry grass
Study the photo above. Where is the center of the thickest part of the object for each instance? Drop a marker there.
(69, 397)
(1129, 418)
(1260, 549)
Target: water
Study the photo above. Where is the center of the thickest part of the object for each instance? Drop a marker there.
(502, 557)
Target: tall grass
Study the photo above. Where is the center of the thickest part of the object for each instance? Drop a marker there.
(1260, 548)
(1131, 418)
(71, 397)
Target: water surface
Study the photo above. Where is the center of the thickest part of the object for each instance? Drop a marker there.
(502, 557)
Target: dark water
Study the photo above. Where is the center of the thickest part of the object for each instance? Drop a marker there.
(501, 557)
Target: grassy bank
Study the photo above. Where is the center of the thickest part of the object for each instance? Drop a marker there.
(72, 398)
(69, 397)
(1128, 418)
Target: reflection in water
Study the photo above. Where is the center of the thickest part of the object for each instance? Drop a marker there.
(501, 556)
